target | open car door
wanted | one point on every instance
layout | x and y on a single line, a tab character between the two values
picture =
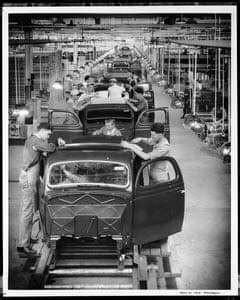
65	124
150	116
158	207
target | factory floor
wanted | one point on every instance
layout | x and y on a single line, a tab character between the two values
202	250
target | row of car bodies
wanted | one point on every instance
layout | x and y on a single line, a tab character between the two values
110	191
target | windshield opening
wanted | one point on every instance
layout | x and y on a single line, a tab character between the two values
75	173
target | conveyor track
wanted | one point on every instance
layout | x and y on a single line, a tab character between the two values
79	264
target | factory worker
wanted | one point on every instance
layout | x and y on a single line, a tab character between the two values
115	91
161	147
35	145
109	129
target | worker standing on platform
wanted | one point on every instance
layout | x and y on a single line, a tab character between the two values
161	147
35	145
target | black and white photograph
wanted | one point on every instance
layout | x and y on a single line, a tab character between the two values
119	142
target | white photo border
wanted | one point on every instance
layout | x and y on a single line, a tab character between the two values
198	9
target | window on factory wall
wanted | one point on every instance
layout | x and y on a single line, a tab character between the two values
63	118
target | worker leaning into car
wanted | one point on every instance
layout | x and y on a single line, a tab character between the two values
35	145
109	129
161	147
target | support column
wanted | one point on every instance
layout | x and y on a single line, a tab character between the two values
162	61
219	69
75	53
207	59
159	60
215	86
229	98
189	78
194	89
179	69
223	94
155	57
168	76
16	77
40	71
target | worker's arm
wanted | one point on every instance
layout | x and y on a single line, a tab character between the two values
133	107
141	139
164	150
98	131
44	146
136	149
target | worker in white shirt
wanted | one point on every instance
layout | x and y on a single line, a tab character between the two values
115	91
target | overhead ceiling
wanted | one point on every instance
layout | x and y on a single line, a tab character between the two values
94	27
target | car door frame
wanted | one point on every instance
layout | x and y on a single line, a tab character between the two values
142	129
149	222
76	129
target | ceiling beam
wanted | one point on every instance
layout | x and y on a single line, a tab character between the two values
204	43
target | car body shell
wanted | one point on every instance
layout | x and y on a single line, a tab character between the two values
93	116
119	69
136	214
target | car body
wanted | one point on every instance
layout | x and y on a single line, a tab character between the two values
119	69
148	93
71	125
116	197
136	67
124	51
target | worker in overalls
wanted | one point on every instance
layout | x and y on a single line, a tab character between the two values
35	145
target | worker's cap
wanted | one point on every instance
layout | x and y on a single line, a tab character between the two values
113	80
157	127
139	89
45	126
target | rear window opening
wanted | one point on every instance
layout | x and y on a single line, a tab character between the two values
120	115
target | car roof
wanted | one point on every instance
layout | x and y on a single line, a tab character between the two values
109	150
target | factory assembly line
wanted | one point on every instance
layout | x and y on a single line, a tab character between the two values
132	141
